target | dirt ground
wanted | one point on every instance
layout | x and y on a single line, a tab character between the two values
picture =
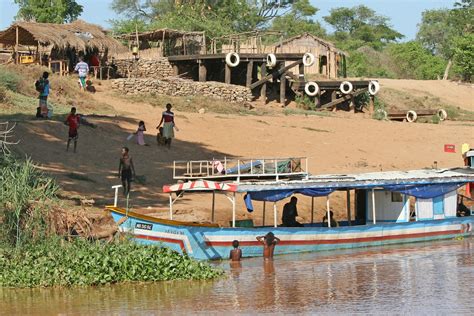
448	92
339	143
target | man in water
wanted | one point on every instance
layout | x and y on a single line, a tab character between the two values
73	121
236	253
126	170
269	242
289	214
83	69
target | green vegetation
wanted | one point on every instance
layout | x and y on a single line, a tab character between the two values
32	252
53	11
25	193
55	262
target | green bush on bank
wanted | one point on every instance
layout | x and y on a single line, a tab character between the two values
55	262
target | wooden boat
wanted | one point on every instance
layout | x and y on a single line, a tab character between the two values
381	206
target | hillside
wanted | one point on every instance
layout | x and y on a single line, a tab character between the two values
334	143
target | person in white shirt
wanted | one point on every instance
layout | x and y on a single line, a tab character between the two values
83	69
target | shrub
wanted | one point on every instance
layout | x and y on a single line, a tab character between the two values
8	80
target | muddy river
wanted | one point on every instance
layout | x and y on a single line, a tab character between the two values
428	278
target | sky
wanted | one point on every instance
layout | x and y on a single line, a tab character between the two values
404	14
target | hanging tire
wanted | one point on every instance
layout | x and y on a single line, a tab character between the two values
374	87
271	60
411	116
311	88
308	59
232	59
343	86
442	114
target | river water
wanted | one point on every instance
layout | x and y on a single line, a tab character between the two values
429	278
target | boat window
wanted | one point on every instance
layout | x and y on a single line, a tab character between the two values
397	197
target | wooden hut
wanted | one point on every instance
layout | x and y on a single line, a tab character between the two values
165	42
330	61
49	43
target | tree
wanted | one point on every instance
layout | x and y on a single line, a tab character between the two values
412	60
359	26
463	55
298	20
52	11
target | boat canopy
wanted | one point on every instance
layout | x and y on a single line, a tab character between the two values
423	184
423	191
200	185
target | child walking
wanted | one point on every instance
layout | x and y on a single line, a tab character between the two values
141	133
126	170
73	121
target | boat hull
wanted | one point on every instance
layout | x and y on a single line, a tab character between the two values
210	242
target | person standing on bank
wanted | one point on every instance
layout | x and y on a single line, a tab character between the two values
82	69
42	86
167	119
126	170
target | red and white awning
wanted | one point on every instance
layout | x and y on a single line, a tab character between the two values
200	185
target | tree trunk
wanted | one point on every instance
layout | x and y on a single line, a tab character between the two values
446	71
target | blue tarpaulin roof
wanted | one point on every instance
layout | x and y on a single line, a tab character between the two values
419	183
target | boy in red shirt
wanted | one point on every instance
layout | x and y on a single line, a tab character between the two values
73	121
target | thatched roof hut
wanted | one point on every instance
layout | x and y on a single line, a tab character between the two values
78	34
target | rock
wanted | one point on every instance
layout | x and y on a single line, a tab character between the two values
202	111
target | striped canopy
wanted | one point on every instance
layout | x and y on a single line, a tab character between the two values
200	185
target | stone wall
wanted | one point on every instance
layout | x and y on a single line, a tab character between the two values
175	86
157	68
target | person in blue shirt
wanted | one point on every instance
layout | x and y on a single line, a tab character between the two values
43	94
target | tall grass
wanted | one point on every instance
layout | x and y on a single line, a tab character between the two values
22	187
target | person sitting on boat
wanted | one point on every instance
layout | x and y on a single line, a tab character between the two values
289	214
236	253
269	242
334	223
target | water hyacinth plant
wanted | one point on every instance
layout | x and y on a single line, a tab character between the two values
82	262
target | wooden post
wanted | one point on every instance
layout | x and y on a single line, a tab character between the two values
213	205
228	74
328	211
275	215
17	56
263	222
249	73
202	71
263	91
317	99
348	205
163	44
283	89
312	209
301	70
373	206
352	105
175	69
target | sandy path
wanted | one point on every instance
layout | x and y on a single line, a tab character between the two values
339	144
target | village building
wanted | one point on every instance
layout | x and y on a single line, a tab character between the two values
58	46
330	61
